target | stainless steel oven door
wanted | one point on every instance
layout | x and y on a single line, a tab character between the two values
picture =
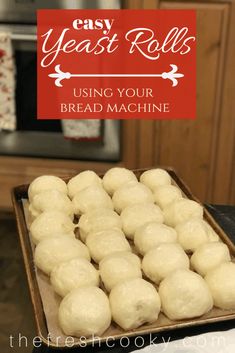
53	145
24	11
47	142
24	37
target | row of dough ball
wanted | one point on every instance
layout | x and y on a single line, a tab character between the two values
134	215
88	311
146	237
141	222
190	234
119	183
66	261
133	302
86	191
82	272
156	242
157	263
79	272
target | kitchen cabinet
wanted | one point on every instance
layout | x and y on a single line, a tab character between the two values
202	151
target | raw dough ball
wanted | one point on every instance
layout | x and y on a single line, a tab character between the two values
82	181
116	177
44	183
163	260
52	200
106	242
184	295
182	210
33	213
213	236
52	251
208	256
85	312
98	219
155	177
90	198
165	194
152	234
75	273
51	223
131	193
130	256
116	269
135	216
192	233
221	281
133	303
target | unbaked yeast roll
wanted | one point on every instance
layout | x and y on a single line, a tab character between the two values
97	220
155	177
131	193
51	223
33	213
105	242
208	256
165	194
85	312
116	177
51	200
134	302
194	232
52	251
184	295
82	181
135	216
221	281
152	234
130	256
118	267
182	210
74	273
166	258
44	183
90	198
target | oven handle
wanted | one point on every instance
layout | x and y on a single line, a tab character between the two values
24	37
20	32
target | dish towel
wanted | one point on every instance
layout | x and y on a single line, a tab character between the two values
90	128
7	84
81	129
212	342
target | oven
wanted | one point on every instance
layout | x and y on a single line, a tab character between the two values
45	138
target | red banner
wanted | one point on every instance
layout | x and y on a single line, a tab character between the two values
116	64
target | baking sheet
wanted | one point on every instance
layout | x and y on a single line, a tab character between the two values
50	300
